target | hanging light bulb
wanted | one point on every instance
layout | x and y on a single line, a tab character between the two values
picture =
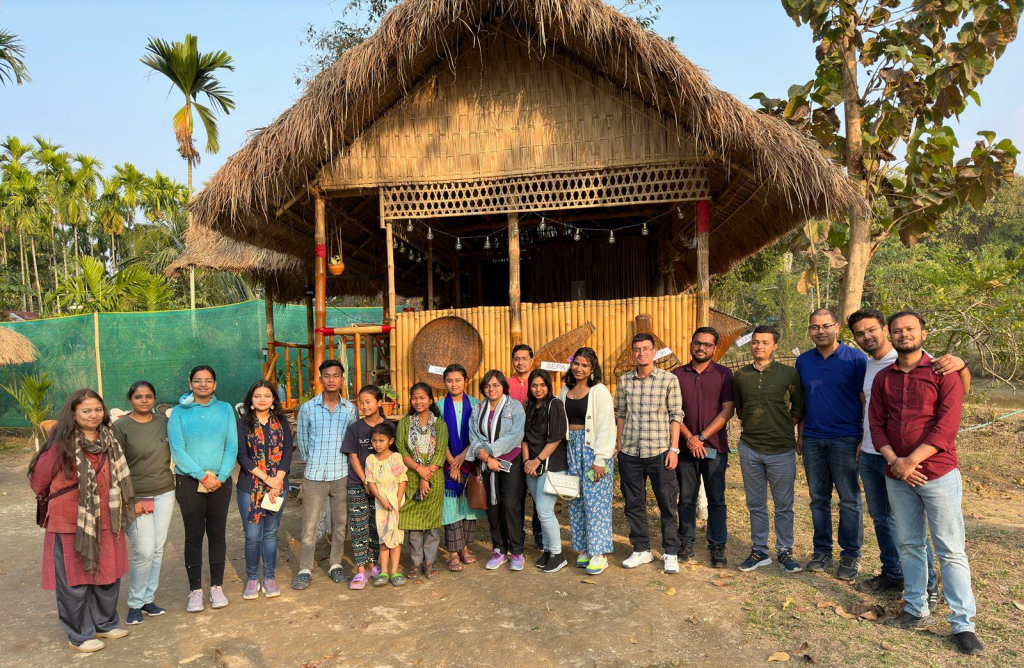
430	234
401	247
497	242
679	213
458	243
419	258
576	235
611	237
437	269
412	254
394	243
409	227
487	244
543	225
644	231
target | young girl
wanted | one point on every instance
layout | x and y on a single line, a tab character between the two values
264	458
386	480
365	542
423	443
544	450
458	518
143	436
84	473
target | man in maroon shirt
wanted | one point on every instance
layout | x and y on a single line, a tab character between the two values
914	417
707	407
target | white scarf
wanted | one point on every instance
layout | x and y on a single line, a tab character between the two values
492	425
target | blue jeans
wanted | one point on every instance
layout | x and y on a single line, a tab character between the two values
260	539
831	462
872	474
148	533
544	504
938	502
762	472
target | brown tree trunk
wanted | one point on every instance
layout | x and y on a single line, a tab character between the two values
25	281
35	267
859	252
191	270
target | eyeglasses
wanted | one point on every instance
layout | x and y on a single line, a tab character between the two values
820	328
701	344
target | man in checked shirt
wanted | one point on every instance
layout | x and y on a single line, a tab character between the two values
648	412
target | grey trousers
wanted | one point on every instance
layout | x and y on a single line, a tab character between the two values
85	609
778	472
423	545
315	494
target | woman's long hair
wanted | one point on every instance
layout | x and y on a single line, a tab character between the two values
65	431
538	414
249	415
595	368
430	393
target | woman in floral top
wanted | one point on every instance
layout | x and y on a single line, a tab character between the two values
422	442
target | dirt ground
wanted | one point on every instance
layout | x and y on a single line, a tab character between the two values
700	617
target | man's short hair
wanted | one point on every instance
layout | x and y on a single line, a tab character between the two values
643	336
327	364
706	330
865	314
766	329
522	346
822	311
901	314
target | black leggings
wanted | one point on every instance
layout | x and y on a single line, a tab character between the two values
506	516
203	514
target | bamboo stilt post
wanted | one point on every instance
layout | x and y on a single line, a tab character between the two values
514	307
703	261
96	338
357	365
310	334
430	275
319	287
268	303
389	307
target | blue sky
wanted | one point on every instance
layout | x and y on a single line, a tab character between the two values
91	93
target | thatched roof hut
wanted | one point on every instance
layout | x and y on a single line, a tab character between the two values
15	348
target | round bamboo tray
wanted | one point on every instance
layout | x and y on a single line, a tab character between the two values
448	340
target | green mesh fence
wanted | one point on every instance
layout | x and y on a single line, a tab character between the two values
161	348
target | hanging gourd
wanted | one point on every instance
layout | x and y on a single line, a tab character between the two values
337	264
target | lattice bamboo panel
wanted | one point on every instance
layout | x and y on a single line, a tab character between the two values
613	186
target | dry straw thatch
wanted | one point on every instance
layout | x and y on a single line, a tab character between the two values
15	348
774	177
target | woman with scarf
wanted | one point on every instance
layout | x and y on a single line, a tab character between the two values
264	458
422	441
458	518
83	473
496	440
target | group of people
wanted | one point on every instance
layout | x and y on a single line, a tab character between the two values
888	413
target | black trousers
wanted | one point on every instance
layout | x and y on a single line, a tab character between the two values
506	516
634	472
690	472
85	609
203	514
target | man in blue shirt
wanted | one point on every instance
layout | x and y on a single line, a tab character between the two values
319	431
832	374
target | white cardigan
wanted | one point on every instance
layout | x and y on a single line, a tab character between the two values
600	434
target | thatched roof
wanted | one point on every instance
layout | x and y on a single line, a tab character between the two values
766	178
15	348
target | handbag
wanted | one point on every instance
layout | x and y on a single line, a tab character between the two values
476	492
43	498
562	485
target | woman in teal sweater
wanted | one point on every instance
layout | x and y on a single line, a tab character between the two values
204	444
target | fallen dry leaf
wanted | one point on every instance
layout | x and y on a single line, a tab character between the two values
810	659
869	615
589	582
670	591
804	608
218	658
788	602
780	656
719	583
888	647
941	632
843	613
633	641
826	604
805	646
1018	605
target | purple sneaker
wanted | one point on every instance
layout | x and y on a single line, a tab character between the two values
518	561
217	598
252	590
497	559
270	589
374	572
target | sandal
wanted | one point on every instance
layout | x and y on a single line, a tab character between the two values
358	582
416	572
454	564
431	570
467	556
381	580
397	580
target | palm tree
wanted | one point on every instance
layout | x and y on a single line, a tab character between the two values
131	186
192	73
80	196
111	215
53	168
25	210
12	63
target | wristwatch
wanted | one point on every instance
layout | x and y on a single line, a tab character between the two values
675	450
702	438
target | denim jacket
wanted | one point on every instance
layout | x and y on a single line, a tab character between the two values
511	427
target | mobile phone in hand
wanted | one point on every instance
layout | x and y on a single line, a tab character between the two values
505	466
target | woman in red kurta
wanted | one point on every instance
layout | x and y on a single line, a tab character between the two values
83	471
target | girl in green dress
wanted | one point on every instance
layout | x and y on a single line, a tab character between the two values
423	442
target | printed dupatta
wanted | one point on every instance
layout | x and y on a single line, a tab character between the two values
458	441
267	454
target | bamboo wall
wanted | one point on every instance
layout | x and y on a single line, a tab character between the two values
674	320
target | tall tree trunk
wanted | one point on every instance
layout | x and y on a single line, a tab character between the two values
859	252
5	247
191	270
26	284
35	267
78	253
113	249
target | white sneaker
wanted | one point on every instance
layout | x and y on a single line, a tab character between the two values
638	559
671	563
90	645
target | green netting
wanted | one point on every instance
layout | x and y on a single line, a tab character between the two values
161	348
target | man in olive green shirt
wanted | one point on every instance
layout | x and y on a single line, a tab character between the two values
769	403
